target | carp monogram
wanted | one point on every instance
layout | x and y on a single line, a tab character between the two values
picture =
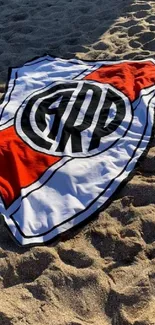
71	118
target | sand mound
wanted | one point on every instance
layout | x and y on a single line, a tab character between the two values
104	273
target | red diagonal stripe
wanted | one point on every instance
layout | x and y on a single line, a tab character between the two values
20	165
128	77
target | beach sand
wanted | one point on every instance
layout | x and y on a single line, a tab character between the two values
104	272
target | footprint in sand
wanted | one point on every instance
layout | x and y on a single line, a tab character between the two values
26	269
75	258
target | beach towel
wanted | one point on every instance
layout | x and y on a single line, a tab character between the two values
71	132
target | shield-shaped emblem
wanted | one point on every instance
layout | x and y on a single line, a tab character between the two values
70	132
